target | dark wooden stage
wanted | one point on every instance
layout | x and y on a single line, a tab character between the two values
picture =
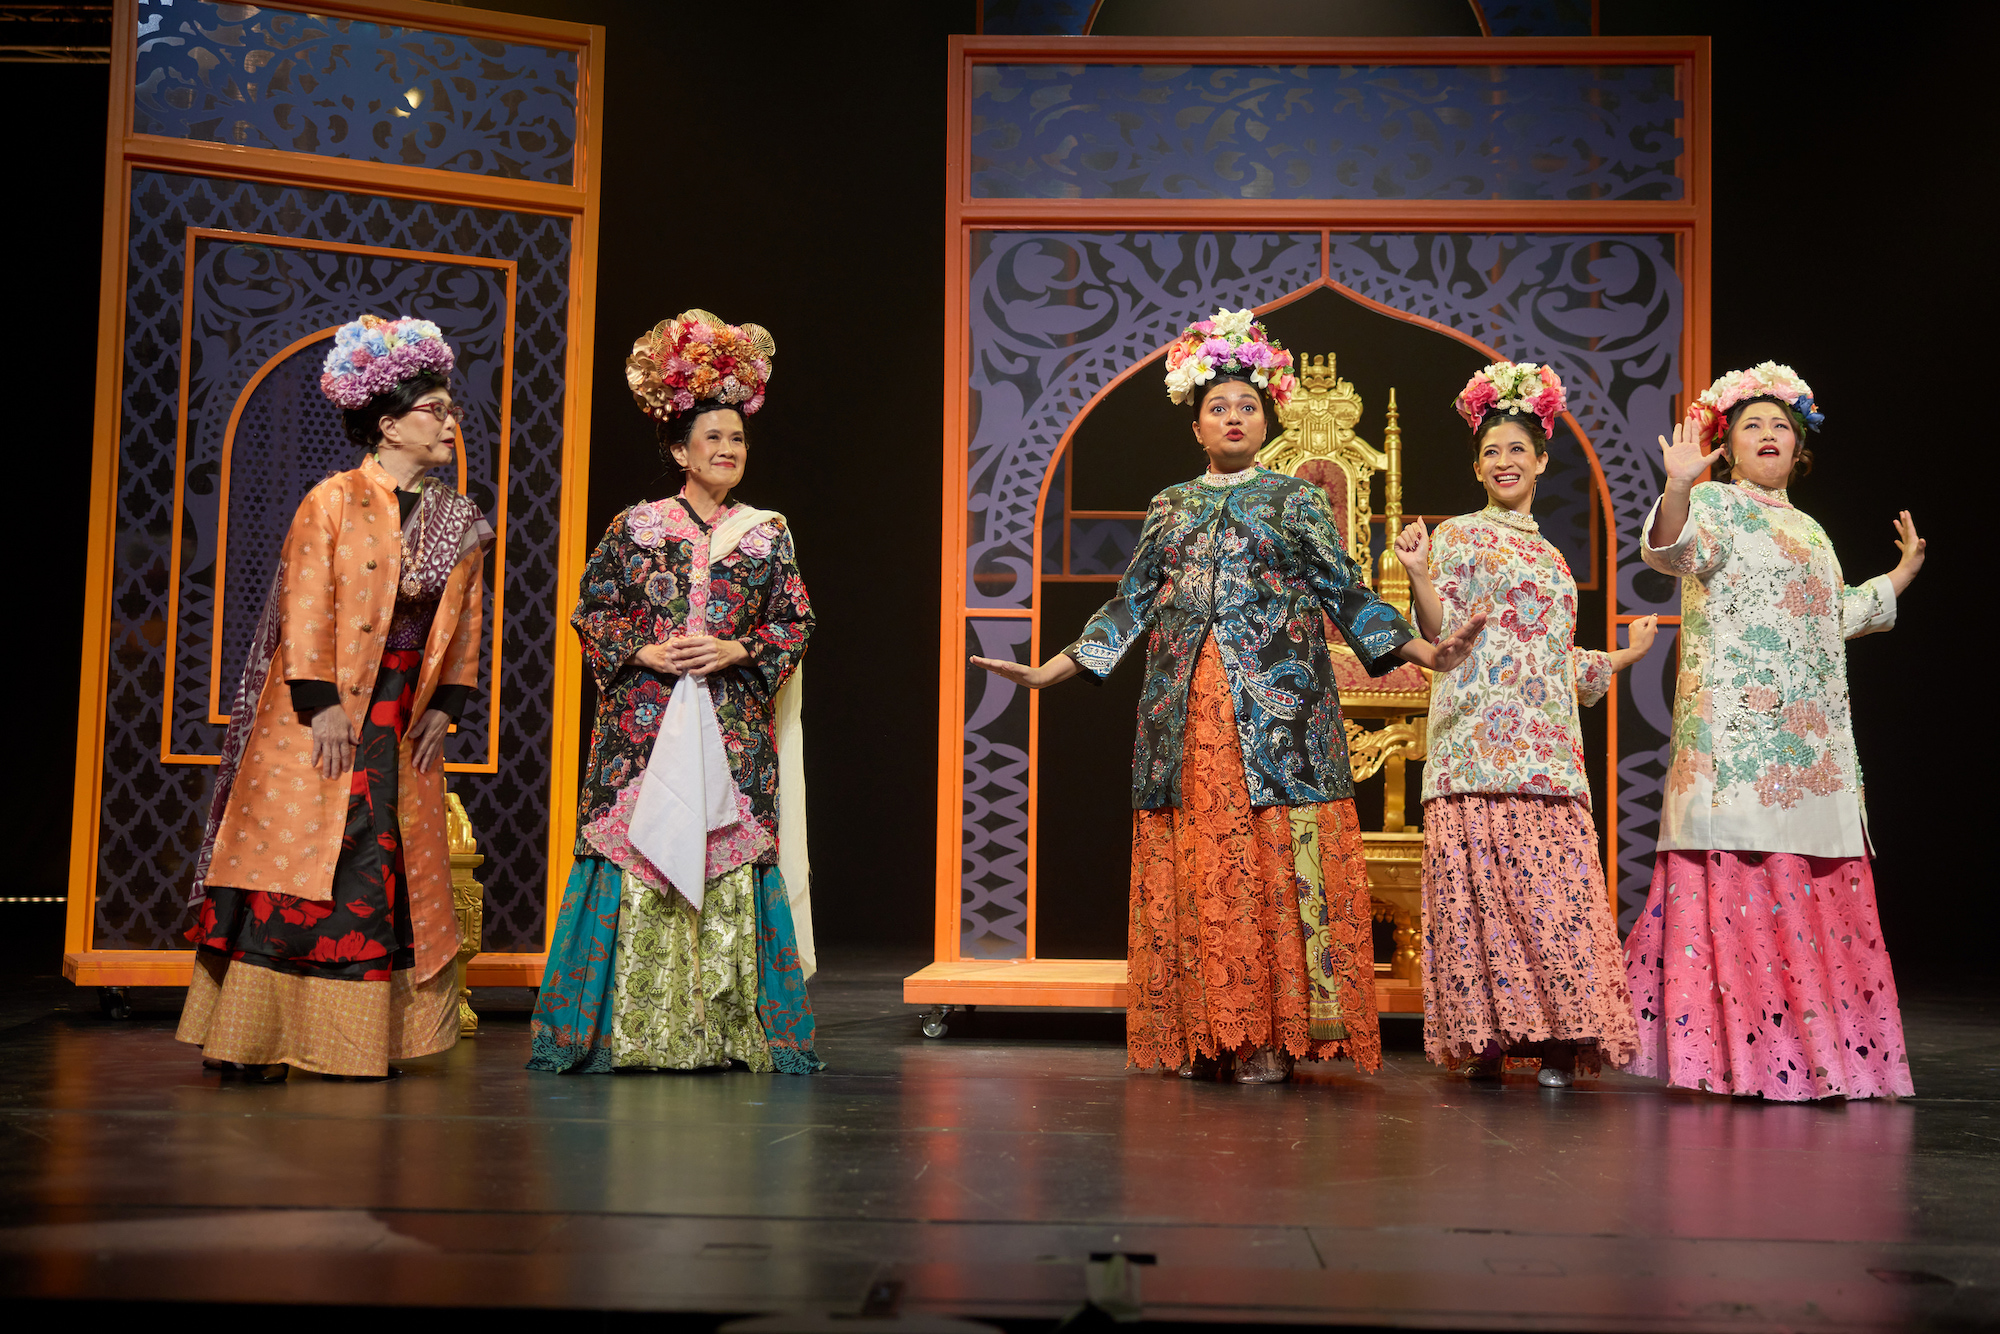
982	1172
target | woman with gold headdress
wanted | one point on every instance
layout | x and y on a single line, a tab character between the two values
324	933
1249	929
685	935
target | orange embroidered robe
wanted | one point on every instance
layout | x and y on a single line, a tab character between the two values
281	832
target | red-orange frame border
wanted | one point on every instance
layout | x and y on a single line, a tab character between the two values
195	235
1686	219
578	201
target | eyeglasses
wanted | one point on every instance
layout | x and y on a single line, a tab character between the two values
441	411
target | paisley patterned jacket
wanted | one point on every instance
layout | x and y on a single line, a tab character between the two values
637	590
1254	559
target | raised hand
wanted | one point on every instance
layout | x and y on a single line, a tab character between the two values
1912	548
1639	635
1684	459
1413	547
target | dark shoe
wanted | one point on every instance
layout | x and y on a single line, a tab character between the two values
394	1073
1197	1067
1267	1065
263	1074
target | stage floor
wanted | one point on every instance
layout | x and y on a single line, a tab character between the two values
982	1171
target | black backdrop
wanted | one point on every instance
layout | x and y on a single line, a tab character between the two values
1847	176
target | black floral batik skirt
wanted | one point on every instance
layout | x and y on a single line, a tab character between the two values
326	984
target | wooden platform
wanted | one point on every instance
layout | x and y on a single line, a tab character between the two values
1078	983
159	968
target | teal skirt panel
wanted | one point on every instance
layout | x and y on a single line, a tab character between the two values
571	1027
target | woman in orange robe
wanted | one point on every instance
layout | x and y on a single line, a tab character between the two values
324	929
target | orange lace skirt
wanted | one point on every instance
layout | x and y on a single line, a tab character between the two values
1250	925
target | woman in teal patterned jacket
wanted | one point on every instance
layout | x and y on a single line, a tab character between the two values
1250	938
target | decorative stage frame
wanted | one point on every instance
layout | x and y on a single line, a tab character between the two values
1539	199
271	173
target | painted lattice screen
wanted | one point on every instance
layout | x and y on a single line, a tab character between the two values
276	173
1539	201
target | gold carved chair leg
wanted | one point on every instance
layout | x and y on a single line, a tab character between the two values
468	901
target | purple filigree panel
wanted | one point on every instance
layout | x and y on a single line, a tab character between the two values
1325	132
151	815
993	903
250	301
1606	313
1056	316
335	87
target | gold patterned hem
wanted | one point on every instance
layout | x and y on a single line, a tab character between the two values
259	1016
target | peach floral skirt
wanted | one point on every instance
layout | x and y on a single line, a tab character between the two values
1250	925
1520	946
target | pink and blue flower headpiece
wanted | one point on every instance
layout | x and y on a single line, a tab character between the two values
1231	342
1513	386
1765	380
372	356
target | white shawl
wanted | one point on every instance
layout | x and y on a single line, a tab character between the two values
687	790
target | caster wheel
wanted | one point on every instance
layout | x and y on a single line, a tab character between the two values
112	1001
934	1025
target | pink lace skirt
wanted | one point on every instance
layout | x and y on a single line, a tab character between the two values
1520	946
1764	973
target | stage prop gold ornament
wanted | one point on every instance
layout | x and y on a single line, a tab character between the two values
468	901
1319	444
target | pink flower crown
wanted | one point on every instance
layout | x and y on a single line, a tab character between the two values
1229	343
1765	380
1512	386
372	356
696	358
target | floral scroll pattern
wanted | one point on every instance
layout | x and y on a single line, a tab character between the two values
250	300
334	87
1325	132
1606	312
151	813
1057	316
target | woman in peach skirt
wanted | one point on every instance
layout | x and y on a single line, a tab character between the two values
1249	932
1521	952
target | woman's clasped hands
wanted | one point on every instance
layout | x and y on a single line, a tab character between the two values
691	655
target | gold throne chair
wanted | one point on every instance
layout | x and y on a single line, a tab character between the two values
1319	444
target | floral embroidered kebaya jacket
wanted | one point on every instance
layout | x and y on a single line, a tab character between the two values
1254	559
1505	721
1764	755
637	591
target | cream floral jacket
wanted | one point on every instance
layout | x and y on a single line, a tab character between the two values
1505	721
1763	756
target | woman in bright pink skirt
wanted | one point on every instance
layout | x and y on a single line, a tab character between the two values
1758	965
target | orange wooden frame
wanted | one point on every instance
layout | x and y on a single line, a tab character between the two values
578	202
1686	219
195	235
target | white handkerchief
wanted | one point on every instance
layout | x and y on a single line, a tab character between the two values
687	790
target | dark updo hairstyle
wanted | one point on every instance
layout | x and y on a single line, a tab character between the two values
364	424
677	429
1526	420
1263	398
1802	458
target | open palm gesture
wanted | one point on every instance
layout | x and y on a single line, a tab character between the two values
1684	459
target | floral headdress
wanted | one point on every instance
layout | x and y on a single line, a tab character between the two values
372	356
1512	386
1767	380
696	358
1230	343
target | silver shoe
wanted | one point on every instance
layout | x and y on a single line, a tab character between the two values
1551	1078
1268	1066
